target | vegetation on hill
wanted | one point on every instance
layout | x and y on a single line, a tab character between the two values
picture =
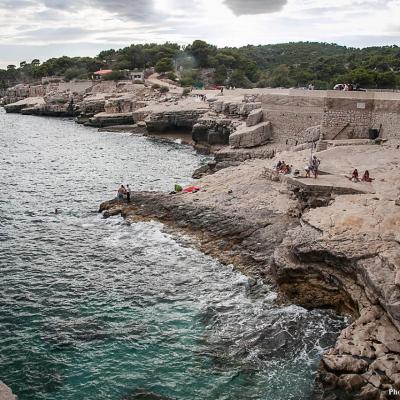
277	65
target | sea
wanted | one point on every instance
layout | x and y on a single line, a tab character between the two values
94	308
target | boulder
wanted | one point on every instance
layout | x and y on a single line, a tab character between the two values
350	382
104	119
255	117
345	363
253	136
6	393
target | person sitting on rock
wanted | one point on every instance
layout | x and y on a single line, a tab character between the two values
278	165
282	167
308	169
121	192
286	169
366	177
354	176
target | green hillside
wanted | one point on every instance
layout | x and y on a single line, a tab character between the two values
277	65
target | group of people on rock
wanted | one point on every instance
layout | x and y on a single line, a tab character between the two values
355	177
313	167
124	193
347	87
202	97
283	168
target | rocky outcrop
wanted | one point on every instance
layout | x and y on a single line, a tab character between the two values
214	129
226	236
253	136
255	117
325	243
27	103
55	104
315	271
161	121
89	106
6	393
238	107
17	93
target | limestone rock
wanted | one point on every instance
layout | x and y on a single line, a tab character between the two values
251	136
173	119
105	119
29	102
255	117
345	363
6	393
350	382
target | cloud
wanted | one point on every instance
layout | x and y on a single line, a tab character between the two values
15	4
54	34
252	7
50	28
134	10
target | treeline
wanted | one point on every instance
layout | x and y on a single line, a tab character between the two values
278	65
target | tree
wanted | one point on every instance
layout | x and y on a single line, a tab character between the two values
238	79
386	80
22	64
201	51
164	65
279	77
221	74
10	67
75	72
363	77
35	62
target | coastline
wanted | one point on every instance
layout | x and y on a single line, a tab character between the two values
282	241
323	244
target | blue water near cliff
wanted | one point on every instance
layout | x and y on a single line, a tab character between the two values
99	309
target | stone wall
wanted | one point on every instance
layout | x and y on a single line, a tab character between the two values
291	115
342	115
347	116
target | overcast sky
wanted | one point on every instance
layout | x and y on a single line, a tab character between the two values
51	28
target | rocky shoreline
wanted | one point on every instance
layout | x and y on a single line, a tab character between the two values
311	241
328	243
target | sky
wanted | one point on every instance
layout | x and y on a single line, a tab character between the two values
51	28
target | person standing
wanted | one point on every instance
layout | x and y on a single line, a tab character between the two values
128	194
315	162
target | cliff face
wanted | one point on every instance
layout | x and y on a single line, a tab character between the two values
325	243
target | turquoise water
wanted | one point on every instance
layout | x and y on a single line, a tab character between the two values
99	309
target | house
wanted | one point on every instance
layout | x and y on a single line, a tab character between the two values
137	75
102	72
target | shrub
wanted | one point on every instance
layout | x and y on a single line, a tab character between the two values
171	76
164	65
114	76
186	81
164	89
186	91
156	86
